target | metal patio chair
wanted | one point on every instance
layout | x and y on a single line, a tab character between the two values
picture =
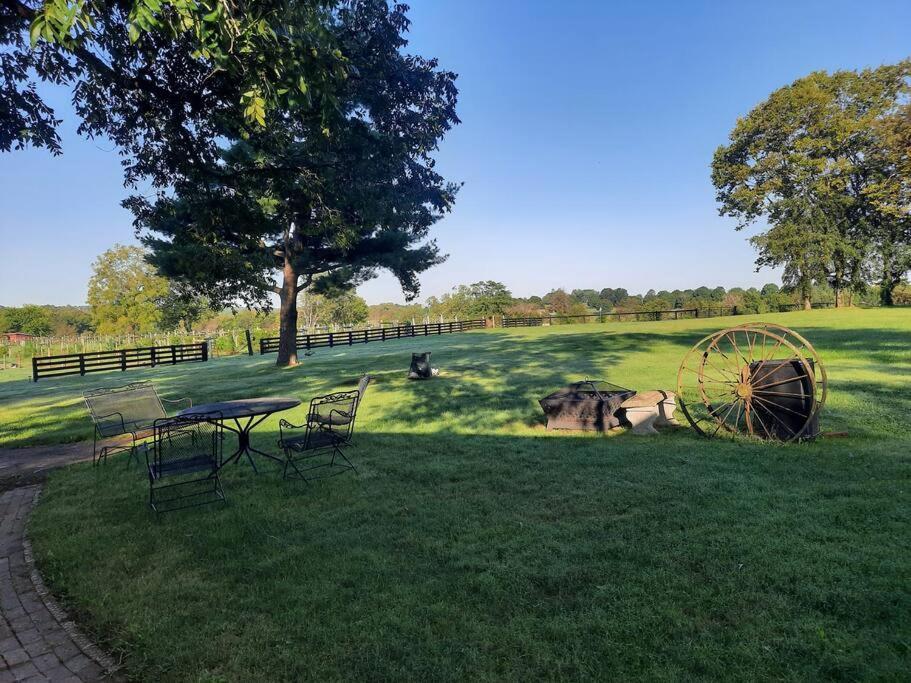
188	451
329	429
128	410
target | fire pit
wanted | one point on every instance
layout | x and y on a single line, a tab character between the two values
589	405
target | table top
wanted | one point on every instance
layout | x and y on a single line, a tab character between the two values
244	407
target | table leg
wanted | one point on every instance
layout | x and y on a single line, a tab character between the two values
243	441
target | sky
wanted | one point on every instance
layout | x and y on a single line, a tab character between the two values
587	132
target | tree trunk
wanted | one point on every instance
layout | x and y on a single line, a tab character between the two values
887	287
287	335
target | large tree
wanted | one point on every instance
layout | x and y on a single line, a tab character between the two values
317	202
806	161
125	293
892	196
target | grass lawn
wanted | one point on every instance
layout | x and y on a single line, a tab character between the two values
473	544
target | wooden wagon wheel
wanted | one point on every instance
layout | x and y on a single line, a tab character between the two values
757	380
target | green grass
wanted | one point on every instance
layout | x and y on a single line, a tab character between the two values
473	544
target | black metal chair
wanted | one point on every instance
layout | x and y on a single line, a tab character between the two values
188	451
128	410
329	429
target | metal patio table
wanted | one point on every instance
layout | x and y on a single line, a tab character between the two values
246	414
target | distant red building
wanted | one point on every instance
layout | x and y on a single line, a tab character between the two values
17	337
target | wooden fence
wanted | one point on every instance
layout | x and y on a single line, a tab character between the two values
672	314
331	339
118	359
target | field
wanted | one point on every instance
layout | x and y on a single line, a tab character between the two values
475	545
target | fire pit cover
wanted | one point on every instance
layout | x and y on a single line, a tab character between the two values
589	405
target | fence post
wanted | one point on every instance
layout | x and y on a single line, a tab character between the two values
173	354
82	364
205	352
123	360
34	369
153	356
249	343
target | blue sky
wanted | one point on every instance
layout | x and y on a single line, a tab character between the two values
588	129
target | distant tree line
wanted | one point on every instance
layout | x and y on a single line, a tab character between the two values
491	298
478	300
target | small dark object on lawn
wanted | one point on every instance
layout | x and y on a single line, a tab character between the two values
420	366
590	405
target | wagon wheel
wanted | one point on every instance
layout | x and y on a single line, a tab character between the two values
749	380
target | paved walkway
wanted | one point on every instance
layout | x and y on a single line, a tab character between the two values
37	640
23	466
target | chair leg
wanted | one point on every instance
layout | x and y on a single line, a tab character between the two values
219	489
350	464
290	461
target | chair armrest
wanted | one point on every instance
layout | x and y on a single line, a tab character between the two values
97	419
185	402
284	424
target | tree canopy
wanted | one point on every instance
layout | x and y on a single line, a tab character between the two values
124	292
126	295
814	162
173	71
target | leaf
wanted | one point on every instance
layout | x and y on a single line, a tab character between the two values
35	30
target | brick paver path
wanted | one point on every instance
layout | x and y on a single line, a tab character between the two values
37	640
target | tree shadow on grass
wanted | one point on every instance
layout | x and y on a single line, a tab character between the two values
490	380
494	556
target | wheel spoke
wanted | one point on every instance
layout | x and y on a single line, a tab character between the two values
777	419
737	348
723	420
780	393
779	382
781	407
768	434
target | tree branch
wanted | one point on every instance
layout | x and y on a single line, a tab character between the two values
308	280
20	9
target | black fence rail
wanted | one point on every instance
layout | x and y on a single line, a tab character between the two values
379	334
118	359
672	314
783	308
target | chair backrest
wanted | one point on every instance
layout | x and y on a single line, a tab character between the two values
362	387
334	413
114	408
190	439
